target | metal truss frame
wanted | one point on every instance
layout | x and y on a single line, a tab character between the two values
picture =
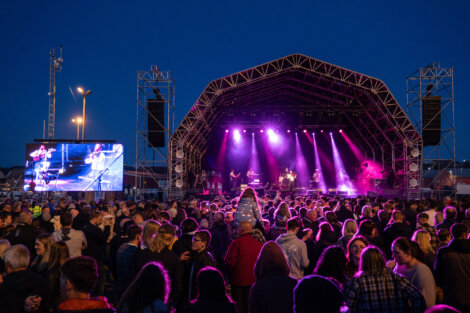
55	66
148	158
382	127
442	155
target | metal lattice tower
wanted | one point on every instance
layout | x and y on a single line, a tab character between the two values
55	65
150	160
434	80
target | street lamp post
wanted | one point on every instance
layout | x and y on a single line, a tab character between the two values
78	121
85	94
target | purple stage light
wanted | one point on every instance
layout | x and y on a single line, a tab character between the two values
226	130
331	133
340	130
343	181
288	130
261	131
321	131
273	137
237	136
305	131
244	130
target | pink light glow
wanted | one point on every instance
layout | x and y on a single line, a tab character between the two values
237	136
261	131
340	130
305	130
226	130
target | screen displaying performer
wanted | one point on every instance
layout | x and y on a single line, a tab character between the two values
74	167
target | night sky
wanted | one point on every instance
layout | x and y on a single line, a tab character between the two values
106	42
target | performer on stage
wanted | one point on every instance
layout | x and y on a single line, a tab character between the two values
41	165
316	178
97	160
250	175
203	179
234	179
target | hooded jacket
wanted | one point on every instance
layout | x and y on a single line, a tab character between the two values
452	268
296	252
273	290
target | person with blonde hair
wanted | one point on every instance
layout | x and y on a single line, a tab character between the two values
423	239
150	228
376	289
42	246
159	251
348	231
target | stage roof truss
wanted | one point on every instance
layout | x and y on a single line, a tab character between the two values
298	77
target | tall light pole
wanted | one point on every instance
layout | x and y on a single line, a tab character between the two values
85	94
78	121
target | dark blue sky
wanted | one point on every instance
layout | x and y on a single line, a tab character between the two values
106	42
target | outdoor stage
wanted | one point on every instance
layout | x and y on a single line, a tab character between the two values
294	116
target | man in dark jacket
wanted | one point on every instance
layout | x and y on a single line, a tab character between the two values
199	259
273	290
450	213
222	234
21	284
398	228
452	268
96	240
24	233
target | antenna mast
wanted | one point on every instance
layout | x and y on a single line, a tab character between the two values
55	65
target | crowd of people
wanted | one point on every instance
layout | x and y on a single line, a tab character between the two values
249	254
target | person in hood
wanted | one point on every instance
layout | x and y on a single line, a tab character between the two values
247	208
240	259
78	275
294	248
21	284
212	293
272	292
452	268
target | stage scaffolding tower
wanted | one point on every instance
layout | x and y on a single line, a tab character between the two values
55	66
151	160
434	81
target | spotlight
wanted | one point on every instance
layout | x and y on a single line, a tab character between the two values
321	131
331	133
288	130
270	132
305	131
340	130
244	130
236	135
226	130
313	134
277	131
261	131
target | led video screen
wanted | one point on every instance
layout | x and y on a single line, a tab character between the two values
74	167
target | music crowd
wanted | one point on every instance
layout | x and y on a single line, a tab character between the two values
248	254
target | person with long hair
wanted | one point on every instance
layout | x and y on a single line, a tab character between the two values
423	239
159	251
281	215
42	246
149	292
348	231
354	248
332	264
405	252
248	208
376	289
212	293
59	253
